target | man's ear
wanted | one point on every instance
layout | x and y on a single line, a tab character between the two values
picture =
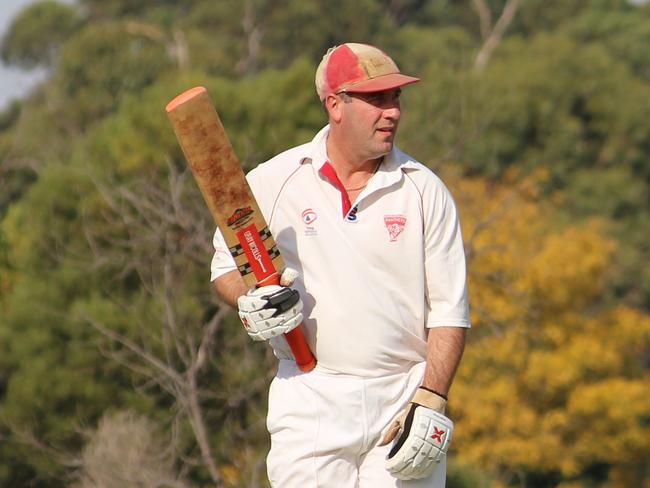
334	106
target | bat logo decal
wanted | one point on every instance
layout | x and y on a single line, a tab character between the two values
239	217
252	245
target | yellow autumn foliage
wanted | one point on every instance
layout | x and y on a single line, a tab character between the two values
555	379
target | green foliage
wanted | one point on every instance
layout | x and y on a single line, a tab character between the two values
104	62
539	15
271	112
623	33
440	107
101	10
540	104
9	116
318	25
247	37
466	476
37	34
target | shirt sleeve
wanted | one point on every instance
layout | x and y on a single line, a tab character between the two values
445	266
222	261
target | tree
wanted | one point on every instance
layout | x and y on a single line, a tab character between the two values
126	250
549	369
36	35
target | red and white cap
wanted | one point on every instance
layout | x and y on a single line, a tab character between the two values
358	68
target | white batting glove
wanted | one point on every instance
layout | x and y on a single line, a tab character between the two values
272	310
425	436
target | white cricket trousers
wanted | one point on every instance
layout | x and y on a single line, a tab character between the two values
325	428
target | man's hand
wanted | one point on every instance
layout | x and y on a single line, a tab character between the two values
271	310
424	440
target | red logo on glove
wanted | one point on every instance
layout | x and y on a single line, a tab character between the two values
437	434
245	322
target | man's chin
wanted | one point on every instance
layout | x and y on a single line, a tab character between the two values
384	148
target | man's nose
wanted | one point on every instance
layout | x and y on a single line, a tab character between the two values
393	113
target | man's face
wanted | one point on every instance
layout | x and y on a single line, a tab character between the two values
370	121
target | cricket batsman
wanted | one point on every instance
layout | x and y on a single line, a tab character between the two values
376	272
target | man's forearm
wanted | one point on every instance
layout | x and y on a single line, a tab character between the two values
445	347
230	287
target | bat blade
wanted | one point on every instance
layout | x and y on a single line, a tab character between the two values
222	182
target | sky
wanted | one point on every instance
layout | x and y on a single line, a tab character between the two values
14	83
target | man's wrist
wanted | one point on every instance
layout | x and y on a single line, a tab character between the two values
430	390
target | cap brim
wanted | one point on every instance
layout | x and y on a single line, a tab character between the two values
381	83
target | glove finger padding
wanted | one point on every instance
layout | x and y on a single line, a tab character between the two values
269	311
270	328
423	396
422	445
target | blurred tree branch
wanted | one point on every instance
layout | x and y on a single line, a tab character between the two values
159	226
176	46
492	35
485	17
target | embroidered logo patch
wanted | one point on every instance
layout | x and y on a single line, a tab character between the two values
309	216
395	225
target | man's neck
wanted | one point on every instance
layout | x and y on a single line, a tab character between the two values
348	165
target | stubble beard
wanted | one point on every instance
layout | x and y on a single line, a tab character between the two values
383	147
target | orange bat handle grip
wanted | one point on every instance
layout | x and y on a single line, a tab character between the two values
298	344
296	339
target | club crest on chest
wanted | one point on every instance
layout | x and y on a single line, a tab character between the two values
395	225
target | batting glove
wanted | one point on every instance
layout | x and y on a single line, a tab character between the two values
424	440
271	310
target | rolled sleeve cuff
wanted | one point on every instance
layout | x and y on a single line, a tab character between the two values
222	261
455	317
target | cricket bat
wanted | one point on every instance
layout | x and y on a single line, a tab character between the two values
222	182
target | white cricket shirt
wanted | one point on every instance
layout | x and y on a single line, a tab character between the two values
374	278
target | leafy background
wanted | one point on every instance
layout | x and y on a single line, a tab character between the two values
120	367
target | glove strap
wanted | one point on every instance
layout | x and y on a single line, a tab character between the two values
430	400
434	391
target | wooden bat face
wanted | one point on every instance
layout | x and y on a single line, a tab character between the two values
223	184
